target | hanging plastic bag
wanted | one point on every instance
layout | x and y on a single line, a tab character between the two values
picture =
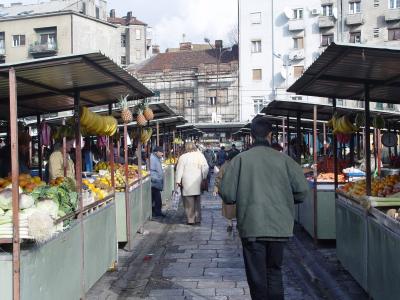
45	134
176	198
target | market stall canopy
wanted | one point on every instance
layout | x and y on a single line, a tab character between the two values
343	70
189	129
279	108
220	127
48	85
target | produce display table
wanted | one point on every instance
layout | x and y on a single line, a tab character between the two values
53	270
325	197
383	253
140	206
351	238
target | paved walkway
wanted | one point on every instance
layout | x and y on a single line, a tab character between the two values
176	261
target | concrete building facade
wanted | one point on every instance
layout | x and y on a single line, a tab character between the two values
280	39
64	27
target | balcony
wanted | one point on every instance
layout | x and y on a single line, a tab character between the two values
392	15
43	50
296	25
296	54
326	2
354	19
326	22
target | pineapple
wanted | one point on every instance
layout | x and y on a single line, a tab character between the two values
126	114
141	120
148	112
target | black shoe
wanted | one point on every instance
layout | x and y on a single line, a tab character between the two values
229	228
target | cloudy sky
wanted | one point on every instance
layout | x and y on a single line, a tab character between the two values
171	19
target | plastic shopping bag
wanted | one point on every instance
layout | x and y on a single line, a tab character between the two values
216	170
176	198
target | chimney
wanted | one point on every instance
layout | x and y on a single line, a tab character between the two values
112	14
185	46
218	44
155	49
128	17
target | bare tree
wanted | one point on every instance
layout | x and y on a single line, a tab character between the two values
233	35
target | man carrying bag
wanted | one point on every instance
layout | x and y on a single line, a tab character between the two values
265	184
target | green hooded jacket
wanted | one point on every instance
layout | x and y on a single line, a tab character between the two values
265	184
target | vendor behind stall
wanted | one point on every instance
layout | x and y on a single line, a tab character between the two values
23	154
56	161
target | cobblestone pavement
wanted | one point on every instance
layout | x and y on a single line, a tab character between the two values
176	261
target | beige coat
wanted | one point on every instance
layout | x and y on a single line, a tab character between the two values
228	210
56	166
191	169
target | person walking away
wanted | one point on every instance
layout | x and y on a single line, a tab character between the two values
157	181
211	160
234	150
192	168
221	156
265	184
228	210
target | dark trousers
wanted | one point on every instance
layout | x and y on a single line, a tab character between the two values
156	202
263	262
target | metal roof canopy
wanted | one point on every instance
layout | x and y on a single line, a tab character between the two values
344	70
48	85
324	112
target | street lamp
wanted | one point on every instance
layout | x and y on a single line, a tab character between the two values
218	57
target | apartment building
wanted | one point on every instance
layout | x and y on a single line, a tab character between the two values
201	85
62	27
280	39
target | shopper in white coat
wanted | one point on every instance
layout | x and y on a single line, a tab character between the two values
192	168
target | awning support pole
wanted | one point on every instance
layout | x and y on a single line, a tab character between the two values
367	141
325	144
78	175
15	181
64	151
299	139
127	202
40	148
335	159
315	163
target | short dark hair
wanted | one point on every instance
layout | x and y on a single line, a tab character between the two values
222	148
260	128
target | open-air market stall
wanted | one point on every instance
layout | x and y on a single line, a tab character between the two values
367	239
71	260
317	213
133	200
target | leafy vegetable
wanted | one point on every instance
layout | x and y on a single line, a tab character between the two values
1	212
6	199
5	220
26	201
48	206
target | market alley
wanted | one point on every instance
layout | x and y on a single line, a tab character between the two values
174	261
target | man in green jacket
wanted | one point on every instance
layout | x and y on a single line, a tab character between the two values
265	184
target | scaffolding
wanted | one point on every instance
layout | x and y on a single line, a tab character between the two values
207	93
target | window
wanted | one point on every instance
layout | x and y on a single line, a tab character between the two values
212	101
298	71
355	37
376	3
18	40
355	8
298	13
394	34
298	43
97	12
138	34
84	8
379	106
394	4
2	44
376	32
123	60
190	103
256	46
258	103
327	10
326	39
390	106
257	74
48	39
123	40
138	54
255	18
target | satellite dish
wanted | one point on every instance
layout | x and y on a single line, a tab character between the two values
283	72
334	11
288	12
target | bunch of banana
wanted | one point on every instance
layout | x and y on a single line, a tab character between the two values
94	124
343	125
146	135
177	141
